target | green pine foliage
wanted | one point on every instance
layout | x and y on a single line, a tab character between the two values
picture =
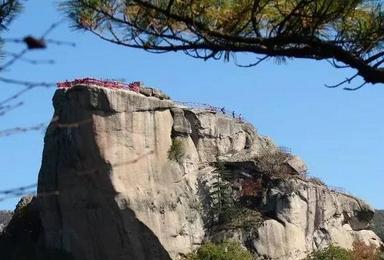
224	211
220	195
8	10
346	31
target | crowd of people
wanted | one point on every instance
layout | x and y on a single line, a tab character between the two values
133	86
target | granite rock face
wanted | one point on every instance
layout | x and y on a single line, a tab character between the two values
107	189
307	217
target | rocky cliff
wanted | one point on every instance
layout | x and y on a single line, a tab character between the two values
130	175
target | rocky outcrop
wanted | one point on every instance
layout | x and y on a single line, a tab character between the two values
378	223
107	189
5	217
306	217
19	238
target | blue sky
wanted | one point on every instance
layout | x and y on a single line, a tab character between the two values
339	134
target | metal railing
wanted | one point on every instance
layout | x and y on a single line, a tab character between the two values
133	86
210	108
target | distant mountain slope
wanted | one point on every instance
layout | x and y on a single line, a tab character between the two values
5	216
378	223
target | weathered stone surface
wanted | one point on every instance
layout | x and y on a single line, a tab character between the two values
297	165
308	217
107	189
112	172
5	217
181	125
153	92
146	91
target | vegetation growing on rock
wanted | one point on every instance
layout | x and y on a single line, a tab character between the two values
220	196
227	210
176	151
227	250
316	180
243	218
360	251
331	252
272	162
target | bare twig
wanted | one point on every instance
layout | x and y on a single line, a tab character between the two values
347	80
55	122
259	60
31	61
14	59
18	189
7	108
31	43
19	130
27	83
17	192
56	42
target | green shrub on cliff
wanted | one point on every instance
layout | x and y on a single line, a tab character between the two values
360	251
227	250
331	253
243	218
176	151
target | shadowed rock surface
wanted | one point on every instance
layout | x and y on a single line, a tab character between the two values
107	189
20	239
5	217
378	223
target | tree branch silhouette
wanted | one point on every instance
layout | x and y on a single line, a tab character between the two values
9	102
17	192
31	43
346	32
